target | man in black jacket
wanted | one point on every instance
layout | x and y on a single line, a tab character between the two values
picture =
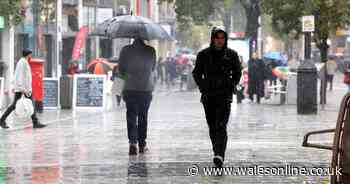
217	72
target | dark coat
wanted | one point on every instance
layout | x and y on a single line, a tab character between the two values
256	77
217	74
171	68
136	64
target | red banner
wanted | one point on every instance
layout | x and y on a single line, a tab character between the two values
149	8
138	7
79	42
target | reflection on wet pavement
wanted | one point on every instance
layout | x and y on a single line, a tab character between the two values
92	147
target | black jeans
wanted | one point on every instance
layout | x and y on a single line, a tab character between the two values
119	99
137	105
251	97
12	107
330	81
217	113
240	94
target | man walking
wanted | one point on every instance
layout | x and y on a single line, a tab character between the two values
137	61
256	78
217	72
23	86
331	70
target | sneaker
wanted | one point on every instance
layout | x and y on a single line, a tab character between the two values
218	161
132	149
3	125
38	125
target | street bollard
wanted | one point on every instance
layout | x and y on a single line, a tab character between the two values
307	88
66	92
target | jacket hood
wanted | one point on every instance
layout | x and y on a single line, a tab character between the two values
214	32
138	42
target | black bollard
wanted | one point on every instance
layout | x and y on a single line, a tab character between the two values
307	88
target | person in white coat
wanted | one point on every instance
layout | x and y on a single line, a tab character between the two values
22	86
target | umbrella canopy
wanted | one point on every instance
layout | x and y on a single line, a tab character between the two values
129	26
277	56
184	51
190	56
280	72
100	66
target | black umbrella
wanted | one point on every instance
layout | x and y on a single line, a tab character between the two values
129	26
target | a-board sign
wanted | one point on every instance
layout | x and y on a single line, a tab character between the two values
51	93
89	91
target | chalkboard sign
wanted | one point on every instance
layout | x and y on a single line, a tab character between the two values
51	93
89	91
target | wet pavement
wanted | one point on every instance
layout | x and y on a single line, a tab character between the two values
91	147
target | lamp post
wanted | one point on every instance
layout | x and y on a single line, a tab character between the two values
307	74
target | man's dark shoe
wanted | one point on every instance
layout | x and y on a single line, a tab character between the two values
38	125
132	149
218	161
143	149
3	124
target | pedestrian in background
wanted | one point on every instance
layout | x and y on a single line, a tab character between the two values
217	72
136	64
347	78
240	86
256	78
22	86
74	68
183	71
331	69
170	66
160	70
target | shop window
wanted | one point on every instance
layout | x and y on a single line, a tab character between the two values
89	17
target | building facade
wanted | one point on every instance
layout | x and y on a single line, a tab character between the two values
50	27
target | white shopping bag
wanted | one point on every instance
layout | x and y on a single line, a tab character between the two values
118	86
24	108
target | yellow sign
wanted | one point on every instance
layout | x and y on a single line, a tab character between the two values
340	32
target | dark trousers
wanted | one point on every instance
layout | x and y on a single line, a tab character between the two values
240	95
119	99
330	81
12	107
217	115
251	97
160	76
137	105
183	81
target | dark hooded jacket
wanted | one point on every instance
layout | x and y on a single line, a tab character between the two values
136	64
217	72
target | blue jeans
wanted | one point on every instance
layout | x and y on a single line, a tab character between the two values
348	85
137	105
